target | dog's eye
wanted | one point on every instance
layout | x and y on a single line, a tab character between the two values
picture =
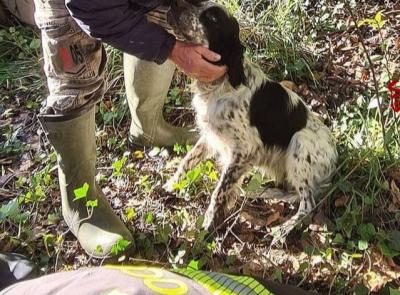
213	18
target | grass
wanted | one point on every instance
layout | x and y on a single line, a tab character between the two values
351	244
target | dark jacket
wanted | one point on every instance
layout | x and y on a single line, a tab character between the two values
123	25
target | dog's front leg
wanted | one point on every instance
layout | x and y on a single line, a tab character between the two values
192	158
230	177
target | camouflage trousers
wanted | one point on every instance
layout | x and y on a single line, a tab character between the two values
74	63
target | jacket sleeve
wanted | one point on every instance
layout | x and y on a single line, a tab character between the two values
123	25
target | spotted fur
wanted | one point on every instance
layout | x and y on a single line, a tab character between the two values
256	123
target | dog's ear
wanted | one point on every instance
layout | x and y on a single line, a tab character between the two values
234	62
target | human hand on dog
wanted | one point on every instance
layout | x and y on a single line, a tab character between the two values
195	61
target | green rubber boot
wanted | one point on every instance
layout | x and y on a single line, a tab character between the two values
73	138
147	86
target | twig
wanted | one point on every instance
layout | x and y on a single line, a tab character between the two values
376	86
235	221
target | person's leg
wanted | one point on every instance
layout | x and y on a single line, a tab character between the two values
74	65
4	15
147	85
22	9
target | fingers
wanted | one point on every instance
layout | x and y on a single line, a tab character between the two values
196	61
209	72
208	54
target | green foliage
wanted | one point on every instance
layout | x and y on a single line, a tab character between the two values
36	186
114	113
180	149
275	33
376	23
118	166
175	96
188	184
19	59
149	217
10	144
12	212
130	213
194	264
81	192
120	246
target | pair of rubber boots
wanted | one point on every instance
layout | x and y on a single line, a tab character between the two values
73	137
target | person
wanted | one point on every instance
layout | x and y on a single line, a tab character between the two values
17	274
72	33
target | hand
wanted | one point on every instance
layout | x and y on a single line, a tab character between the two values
195	61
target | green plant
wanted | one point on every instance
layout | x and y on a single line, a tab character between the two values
81	193
19	60
274	32
120	246
10	144
37	185
181	149
12	212
118	166
188	184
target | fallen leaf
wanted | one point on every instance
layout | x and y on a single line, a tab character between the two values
392	208
342	201
382	271
272	218
395	192
138	155
246	237
279	207
25	165
320	220
395	175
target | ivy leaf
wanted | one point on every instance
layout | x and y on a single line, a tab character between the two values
213	176
9	210
149	218
120	246
138	154
194	264
362	245
366	231
394	240
92	204
81	192
130	213
35	44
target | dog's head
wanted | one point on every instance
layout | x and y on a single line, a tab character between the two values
209	24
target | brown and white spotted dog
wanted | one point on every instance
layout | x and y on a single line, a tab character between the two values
248	121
